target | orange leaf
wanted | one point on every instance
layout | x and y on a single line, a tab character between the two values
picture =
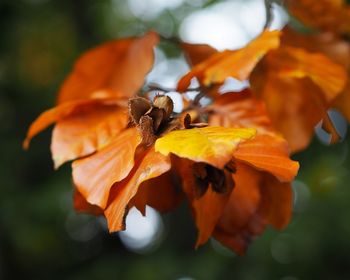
335	48
257	200
298	63
86	131
267	150
239	110
237	64
268	153
161	193
55	114
95	175
196	53
81	205
308	81
234	229
213	145
330	15
206	209
117	68
152	165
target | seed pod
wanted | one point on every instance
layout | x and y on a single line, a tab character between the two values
164	102
138	106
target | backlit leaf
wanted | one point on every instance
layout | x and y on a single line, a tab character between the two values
328	44
298	87
335	48
115	69
297	63
237	64
196	53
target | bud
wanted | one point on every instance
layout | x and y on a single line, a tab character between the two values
164	102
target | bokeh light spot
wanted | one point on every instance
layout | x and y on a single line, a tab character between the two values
150	9
301	196
142	233
230	24
281	248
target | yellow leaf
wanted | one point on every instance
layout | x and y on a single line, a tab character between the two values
213	145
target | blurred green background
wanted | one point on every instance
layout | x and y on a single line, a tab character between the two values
41	237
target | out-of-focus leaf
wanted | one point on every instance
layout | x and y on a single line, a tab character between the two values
196	53
342	102
237	64
298	87
116	69
329	15
239	110
297	63
335	48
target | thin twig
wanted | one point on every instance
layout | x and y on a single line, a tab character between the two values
170	39
198	97
269	14
155	86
